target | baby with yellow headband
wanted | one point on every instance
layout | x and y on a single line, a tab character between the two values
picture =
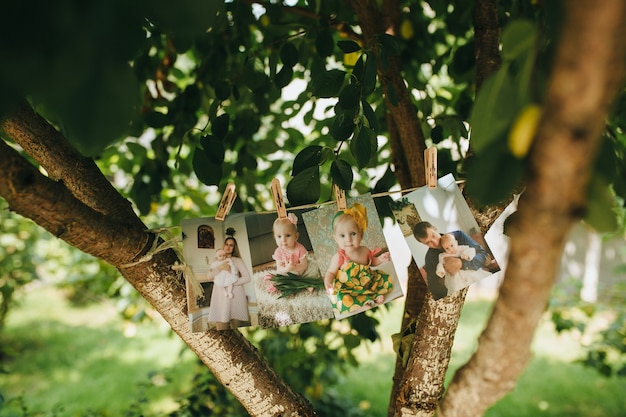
350	281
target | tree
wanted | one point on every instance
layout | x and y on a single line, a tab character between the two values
204	84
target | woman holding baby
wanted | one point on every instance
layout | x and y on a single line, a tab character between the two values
230	312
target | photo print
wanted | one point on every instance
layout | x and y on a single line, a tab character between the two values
286	275
353	256
444	237
218	254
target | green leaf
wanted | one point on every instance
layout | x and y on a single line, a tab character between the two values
370	115
493	175
494	111
436	134
255	80
308	157
363	146
207	171
602	212
326	84
289	54
464	62
284	76
348	46
349	96
369	74
219	126
518	37
385	182
324	43
214	148
341	173
157	119
305	187
389	47
222	90
343	125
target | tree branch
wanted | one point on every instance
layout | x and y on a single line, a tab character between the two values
486	39
63	162
50	204
588	72
423	385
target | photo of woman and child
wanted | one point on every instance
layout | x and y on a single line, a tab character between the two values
220	263
228	309
356	278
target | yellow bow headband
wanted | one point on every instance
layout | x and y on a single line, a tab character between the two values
358	213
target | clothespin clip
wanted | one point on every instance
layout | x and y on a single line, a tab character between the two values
430	167
277	194
227	202
340	196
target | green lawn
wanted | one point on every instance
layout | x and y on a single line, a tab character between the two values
551	386
67	362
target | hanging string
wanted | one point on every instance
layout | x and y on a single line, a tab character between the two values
169	241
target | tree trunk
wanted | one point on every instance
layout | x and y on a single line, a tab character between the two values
587	74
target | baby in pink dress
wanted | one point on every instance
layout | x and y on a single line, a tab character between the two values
290	255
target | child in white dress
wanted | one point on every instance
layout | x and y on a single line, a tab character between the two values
225	278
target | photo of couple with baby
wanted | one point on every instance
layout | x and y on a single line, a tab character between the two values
444	238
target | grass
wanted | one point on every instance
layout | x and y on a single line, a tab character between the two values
551	385
65	361
74	359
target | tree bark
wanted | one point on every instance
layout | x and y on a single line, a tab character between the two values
423	385
231	358
588	72
486	39
63	162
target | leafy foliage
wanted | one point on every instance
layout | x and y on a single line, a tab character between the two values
17	262
600	326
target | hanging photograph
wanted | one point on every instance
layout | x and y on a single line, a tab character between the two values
288	284
444	238
218	254
353	256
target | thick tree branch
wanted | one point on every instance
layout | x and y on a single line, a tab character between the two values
588	72
53	207
63	162
422	386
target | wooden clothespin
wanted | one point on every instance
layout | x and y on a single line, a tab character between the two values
340	196
228	198
277	194
430	166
